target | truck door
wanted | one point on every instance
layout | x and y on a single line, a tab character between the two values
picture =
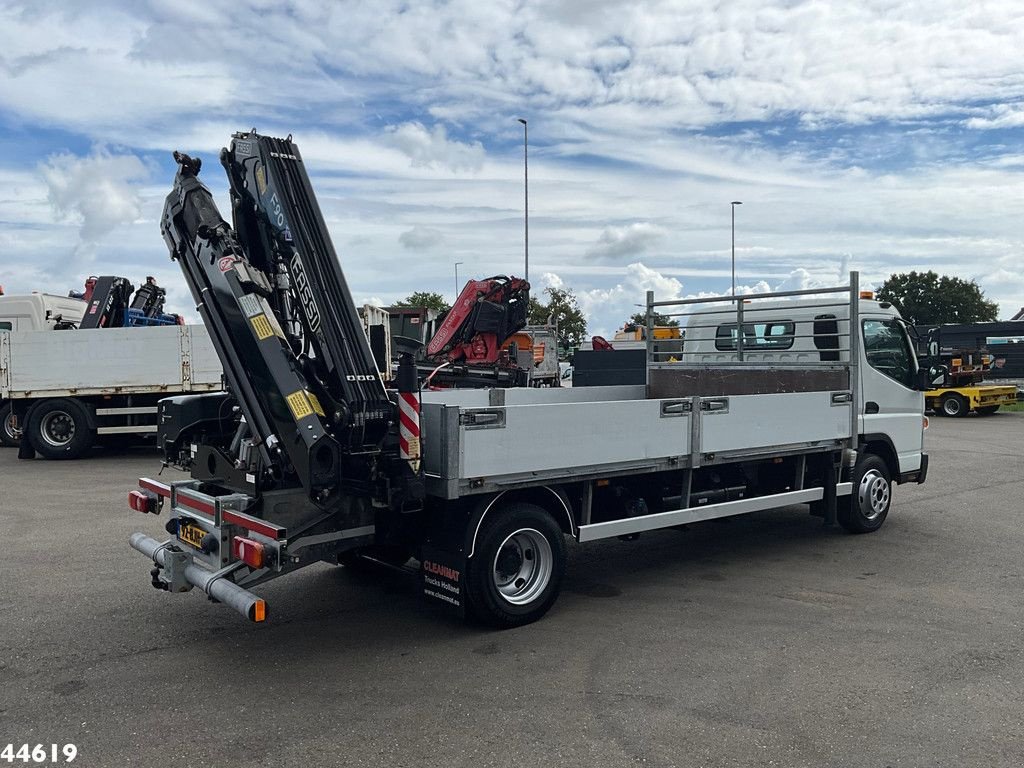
890	405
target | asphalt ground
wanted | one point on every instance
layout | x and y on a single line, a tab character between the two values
763	640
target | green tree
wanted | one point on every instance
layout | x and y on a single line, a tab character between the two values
926	298
640	318
564	309
428	299
538	313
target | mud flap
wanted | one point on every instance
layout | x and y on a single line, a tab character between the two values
443	578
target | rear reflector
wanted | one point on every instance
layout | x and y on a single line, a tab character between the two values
248	551
143	501
259	611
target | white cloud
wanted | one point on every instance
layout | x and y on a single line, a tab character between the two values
630	240
100	190
405	114
433	148
999	116
420	238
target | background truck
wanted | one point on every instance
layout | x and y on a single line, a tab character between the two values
965	389
320	461
964	350
106	302
69	389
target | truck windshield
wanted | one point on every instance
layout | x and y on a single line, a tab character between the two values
887	350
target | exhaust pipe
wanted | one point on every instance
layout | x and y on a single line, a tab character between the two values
219	588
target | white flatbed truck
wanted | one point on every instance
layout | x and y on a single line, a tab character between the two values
68	389
481	487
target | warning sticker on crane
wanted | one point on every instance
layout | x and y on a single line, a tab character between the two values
315	402
299	405
262	326
304	403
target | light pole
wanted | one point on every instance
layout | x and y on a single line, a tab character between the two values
457	278
526	203
733	205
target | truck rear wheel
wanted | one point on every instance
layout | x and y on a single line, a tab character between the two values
870	499
987	410
515	575
9	436
59	429
954	405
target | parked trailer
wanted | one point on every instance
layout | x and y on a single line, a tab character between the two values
983	399
70	388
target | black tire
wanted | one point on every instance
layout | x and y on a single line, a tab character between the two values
516	571
8	436
59	429
870	499
987	410
954	405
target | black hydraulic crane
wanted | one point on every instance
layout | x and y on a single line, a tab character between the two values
311	415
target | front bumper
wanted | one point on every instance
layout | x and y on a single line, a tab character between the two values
917	475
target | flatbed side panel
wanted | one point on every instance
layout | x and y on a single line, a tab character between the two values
204	362
761	421
102	360
538	438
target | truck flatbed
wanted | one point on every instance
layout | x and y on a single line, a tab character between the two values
480	441
108	361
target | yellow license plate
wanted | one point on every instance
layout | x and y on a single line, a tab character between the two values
191	534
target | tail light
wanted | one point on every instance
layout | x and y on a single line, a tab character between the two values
248	551
926	422
143	501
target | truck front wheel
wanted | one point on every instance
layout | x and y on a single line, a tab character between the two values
59	429
515	574
954	405
870	498
9	436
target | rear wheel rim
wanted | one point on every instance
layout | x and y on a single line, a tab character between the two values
57	429
873	494
9	428
522	566
952	406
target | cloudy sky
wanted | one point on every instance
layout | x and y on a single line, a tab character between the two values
877	135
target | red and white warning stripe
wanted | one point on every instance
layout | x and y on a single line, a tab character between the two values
409	429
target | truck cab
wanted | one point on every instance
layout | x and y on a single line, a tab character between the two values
890	401
34	312
38	311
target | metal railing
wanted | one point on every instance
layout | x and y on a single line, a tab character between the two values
736	324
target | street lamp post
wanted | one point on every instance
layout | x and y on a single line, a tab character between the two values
457	278
733	205
526	203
